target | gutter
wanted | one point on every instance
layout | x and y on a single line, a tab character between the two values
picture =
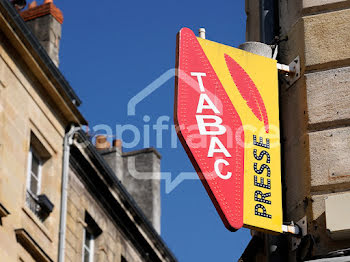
68	141
269	21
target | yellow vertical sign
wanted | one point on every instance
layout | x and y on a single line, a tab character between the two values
258	107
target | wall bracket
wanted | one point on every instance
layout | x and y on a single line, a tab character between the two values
291	71
291	229
296	240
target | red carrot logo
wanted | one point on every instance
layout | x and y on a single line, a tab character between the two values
248	90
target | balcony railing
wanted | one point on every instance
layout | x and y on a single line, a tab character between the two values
32	203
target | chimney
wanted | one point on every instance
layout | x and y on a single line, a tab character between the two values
46	23
139	172
117	143
141	177
102	143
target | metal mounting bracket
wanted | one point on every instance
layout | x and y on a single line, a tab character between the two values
296	240
291	229
292	71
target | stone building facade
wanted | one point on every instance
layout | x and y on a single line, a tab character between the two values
37	107
315	126
98	203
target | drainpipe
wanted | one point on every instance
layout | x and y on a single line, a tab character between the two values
68	140
268	21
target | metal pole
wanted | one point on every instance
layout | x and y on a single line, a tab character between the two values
201	32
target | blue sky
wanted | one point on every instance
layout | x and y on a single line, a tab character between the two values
110	51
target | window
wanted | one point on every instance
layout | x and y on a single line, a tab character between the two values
34	181
38	164
35	172
88	246
91	232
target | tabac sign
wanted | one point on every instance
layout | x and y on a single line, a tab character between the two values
227	118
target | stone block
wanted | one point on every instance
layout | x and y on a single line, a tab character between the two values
328	97
72	210
329	158
74	198
313	3
72	239
318	206
71	253
72	224
327	40
312	6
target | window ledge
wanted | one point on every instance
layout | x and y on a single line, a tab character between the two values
3	211
26	240
37	222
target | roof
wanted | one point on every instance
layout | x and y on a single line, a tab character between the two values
42	58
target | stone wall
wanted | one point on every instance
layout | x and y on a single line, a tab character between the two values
26	112
318	136
315	116
110	245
